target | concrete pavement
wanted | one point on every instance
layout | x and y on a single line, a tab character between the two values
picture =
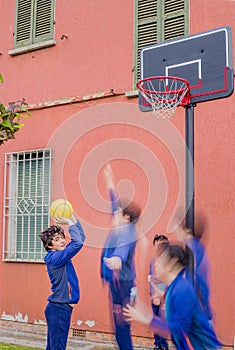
39	341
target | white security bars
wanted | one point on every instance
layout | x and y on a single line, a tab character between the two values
27	192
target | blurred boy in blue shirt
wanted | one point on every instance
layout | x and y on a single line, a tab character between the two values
185	322
117	261
200	279
156	285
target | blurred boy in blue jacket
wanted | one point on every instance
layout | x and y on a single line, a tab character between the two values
185	322
200	279
156	285
117	261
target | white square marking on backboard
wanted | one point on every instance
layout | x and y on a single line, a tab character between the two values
185	64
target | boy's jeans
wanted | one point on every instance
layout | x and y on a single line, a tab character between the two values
58	318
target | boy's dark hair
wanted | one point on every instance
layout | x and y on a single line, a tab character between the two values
176	251
47	235
133	211
159	238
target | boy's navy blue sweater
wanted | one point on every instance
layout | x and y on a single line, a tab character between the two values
185	319
65	286
120	242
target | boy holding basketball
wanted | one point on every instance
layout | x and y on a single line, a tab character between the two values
117	261
63	277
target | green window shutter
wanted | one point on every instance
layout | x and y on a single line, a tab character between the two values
146	28
34	22
23	24
43	20
157	21
174	19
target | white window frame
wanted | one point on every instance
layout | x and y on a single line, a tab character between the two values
27	196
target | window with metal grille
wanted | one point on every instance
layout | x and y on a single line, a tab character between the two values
34	24
157	21
27	191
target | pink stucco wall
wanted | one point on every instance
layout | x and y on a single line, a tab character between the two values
97	56
147	155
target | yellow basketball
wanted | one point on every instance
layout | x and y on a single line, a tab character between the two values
61	207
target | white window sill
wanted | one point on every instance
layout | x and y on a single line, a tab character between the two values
130	94
32	47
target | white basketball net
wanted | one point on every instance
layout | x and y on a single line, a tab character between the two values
164	94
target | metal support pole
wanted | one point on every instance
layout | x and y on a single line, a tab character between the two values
189	137
189	191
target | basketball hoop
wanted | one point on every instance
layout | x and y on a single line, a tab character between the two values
164	94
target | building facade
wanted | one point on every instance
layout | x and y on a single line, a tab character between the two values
76	64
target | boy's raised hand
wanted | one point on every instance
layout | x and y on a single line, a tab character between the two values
65	221
108	174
